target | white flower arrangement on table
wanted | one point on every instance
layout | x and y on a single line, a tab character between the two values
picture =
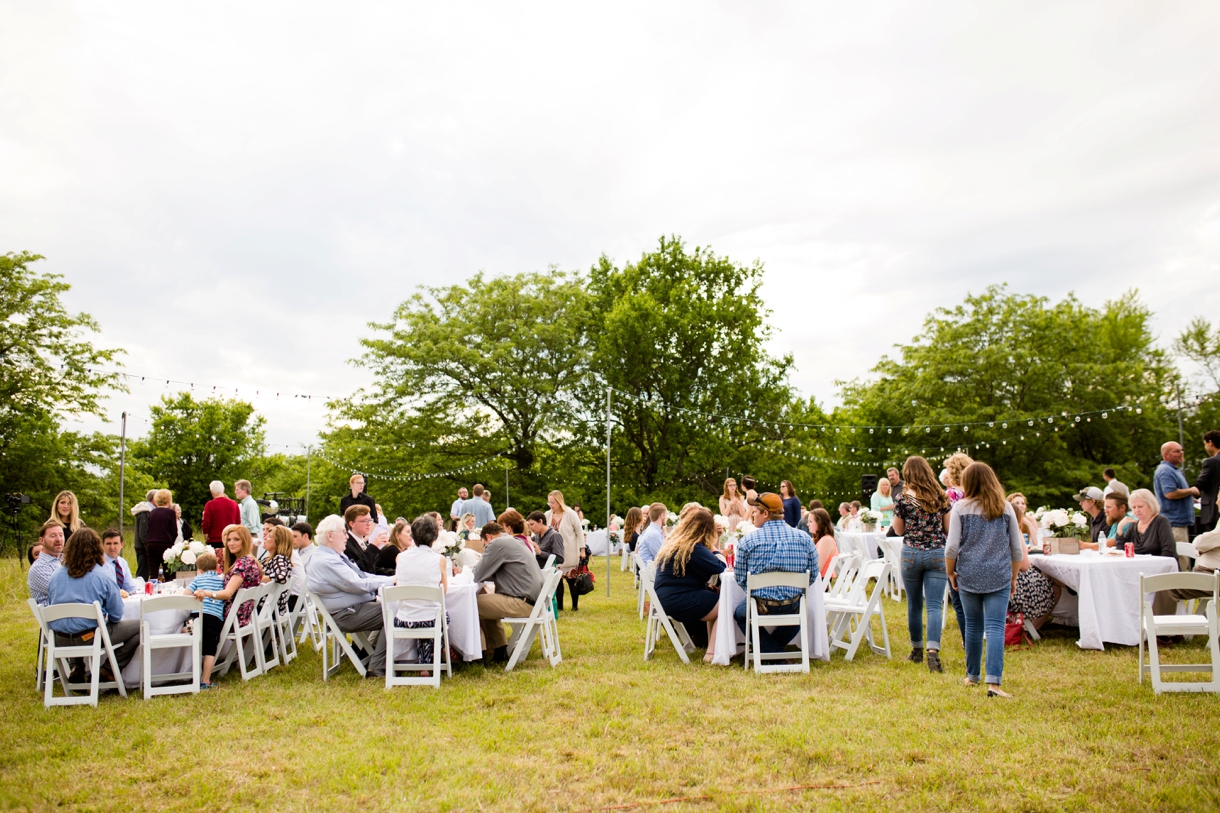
870	517
1062	523
671	518
182	555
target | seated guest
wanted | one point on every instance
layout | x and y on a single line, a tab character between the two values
844	516
1118	513
1151	533
359	524
807	517
51	538
1207	546
302	549
421	566
774	547
547	541
240	571
653	536
1036	594
161	534
514	574
824	536
112	546
33	552
465	526
685	565
631	527
399	540
348	593
277	564
514	523
1093	503
84	579
264	550
204	586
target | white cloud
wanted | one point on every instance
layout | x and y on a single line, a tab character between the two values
236	191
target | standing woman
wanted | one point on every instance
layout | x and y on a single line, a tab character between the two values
162	532
566	523
732	505
921	518
632	525
685	564
792	504
982	559
66	511
883	503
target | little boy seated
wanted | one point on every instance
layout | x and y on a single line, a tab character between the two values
203	586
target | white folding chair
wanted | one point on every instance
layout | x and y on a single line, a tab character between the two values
335	643
892	549
285	629
234	637
641	595
267	628
192	640
550	563
43	632
837	567
1153	625
659	620
849	571
438	633
540	623
850	619
755	621
305	622
58	656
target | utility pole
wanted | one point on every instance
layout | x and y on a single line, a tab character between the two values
1181	437
608	391
507	502
308	472
122	468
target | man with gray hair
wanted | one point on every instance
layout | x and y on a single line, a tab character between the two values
218	513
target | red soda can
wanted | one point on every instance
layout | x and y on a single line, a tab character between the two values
1129	550
148	588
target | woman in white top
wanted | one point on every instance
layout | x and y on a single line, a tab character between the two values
567	524
732	505
421	566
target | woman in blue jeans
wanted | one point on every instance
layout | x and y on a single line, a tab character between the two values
921	518
982	560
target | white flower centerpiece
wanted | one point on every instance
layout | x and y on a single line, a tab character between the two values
869	519
1062	524
181	556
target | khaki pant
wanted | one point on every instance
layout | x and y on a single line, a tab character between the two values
491	609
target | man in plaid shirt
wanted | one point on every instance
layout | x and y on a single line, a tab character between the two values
775	546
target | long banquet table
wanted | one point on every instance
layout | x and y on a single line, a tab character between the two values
164	661
1107	587
730	639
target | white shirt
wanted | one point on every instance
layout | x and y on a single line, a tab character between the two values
1110	486
419	567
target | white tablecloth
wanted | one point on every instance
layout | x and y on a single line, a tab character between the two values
1107	588
852	541
164	661
730	639
461	602
598	543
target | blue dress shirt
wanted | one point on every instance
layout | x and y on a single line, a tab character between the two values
338	583
124	571
96	585
650	542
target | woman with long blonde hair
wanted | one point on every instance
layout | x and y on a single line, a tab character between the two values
921	518
685	565
65	510
982	560
732	504
566	523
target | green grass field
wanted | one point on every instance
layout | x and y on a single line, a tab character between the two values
605	730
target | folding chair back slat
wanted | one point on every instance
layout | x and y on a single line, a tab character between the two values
172	640
1152	625
57	656
438	634
540	623
755	621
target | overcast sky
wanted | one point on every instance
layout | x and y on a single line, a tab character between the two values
235	190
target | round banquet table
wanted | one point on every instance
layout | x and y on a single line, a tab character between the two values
867	542
730	639
599	543
1107	607
461	602
164	661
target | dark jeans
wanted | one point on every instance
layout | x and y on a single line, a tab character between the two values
770	641
923	578
959	611
985	613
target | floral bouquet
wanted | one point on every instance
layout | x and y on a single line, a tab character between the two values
671	519
1062	523
870	517
182	555
450	545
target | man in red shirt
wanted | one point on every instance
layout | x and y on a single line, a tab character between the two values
218	513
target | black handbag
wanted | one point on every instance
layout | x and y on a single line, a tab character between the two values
582	585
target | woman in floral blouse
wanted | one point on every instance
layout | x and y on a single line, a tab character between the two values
240	570
278	568
921	518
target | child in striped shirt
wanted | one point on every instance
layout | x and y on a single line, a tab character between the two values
204	586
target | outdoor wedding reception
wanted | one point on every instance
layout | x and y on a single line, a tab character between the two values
646	407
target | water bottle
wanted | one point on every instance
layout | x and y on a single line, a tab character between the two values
1101	541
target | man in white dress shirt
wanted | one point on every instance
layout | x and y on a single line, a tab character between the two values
112	546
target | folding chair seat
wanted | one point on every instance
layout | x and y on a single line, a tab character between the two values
234	638
43	632
1153	625
659	620
540	623
57	657
438	634
335	643
267	627
755	621
149	642
850	618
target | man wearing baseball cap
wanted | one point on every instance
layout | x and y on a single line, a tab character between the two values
1093	503
774	547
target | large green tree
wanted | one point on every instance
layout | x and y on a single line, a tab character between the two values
49	372
192	443
1026	368
682	346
